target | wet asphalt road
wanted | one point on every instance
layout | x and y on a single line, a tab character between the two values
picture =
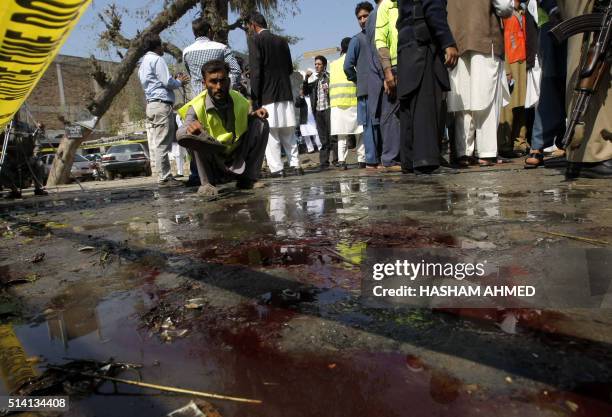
123	257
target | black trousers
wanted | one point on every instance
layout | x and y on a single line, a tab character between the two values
251	150
323	121
422	120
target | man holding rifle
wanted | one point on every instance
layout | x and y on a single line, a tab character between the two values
589	150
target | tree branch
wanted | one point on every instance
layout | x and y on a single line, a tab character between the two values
136	50
174	50
98	74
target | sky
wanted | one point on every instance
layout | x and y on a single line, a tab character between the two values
320	24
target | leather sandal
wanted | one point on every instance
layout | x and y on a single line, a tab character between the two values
534	160
484	163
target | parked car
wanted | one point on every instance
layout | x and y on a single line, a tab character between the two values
126	159
93	157
82	169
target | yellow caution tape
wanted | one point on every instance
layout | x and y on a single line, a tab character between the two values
14	366
31	34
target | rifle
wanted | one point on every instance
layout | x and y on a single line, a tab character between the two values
596	65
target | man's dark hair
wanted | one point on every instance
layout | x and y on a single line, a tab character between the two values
364	5
258	19
322	59
152	42
200	27
213	66
344	45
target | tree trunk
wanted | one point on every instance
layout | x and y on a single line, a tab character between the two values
60	170
217	13
64	157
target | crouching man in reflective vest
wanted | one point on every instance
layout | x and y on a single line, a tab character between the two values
228	139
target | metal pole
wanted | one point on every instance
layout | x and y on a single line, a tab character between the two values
5	144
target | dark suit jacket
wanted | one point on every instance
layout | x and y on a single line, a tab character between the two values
271	67
300	103
412	55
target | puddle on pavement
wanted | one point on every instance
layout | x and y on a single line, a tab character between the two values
235	355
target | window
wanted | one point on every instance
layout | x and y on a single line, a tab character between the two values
131	148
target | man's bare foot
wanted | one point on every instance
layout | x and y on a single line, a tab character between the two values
208	190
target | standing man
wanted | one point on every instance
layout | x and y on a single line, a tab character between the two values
204	50
479	88
426	48
357	68
376	77
386	44
271	68
318	91
590	153
343	102
159	88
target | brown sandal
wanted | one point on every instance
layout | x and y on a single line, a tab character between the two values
533	156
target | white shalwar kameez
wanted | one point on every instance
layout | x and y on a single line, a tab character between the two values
479	90
281	119
309	130
344	123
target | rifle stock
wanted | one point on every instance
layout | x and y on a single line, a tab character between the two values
592	69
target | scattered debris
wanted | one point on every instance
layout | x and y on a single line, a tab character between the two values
579	238
571	405
76	377
508	325
190	410
200	409
168	335
39	257
8	280
509	380
195	303
55	225
86	376
87	249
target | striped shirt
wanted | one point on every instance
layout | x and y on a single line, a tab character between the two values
323	93
204	50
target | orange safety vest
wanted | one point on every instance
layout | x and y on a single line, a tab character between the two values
515	38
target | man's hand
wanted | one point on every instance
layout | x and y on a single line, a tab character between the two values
260	113
308	75
390	83
194	128
183	78
451	56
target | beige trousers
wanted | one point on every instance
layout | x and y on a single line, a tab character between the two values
594	142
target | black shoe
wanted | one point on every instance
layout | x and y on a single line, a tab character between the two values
324	168
40	192
342	166
279	174
362	165
299	171
426	170
13	195
193	182
595	170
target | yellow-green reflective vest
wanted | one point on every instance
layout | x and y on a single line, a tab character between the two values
213	124
342	92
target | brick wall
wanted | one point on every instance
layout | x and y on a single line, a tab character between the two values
46	102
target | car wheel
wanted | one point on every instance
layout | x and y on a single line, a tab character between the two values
110	175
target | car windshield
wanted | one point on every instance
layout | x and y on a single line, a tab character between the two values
79	158
132	148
